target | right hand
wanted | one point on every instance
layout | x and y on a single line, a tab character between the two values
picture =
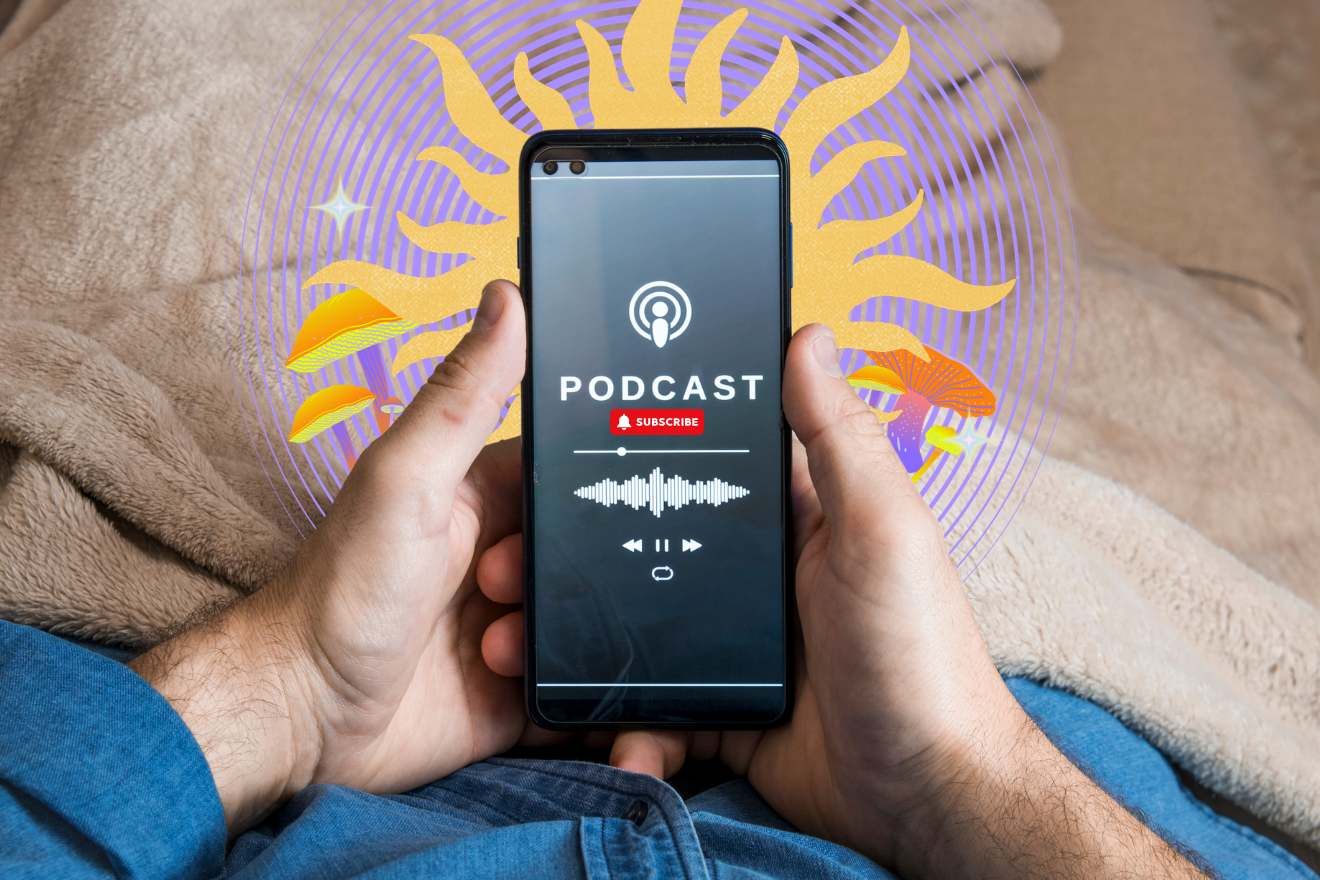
894	680
905	744
896	691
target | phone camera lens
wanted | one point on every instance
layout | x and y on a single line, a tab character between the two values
577	166
551	167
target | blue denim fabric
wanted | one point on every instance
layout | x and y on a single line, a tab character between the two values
100	777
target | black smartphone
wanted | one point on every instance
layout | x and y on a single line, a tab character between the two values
656	268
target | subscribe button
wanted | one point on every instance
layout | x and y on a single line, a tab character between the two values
644	422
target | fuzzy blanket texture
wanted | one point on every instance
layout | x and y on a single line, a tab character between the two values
1164	567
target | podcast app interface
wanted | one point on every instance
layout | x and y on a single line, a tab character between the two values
656	405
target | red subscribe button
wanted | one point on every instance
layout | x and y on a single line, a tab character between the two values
643	422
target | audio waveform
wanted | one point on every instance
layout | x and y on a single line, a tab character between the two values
658	493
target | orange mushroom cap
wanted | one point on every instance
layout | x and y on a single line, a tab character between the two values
874	377
327	408
941	380
340	326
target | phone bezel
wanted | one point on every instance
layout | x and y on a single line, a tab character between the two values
592	145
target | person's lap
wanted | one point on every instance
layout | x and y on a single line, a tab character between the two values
547	818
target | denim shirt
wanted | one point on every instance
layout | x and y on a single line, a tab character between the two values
100	777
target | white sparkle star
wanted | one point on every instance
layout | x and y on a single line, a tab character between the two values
970	440
340	209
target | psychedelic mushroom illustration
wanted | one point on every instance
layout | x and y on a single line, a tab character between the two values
938	381
874	377
352	322
328	409
390	407
342	325
943	439
831	278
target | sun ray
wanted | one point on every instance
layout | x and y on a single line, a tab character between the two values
469	104
497	193
702	87
549	107
762	105
876	336
841	170
425	346
455	236
913	278
603	86
647	50
854	236
833	103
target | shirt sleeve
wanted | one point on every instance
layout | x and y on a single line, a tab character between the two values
98	775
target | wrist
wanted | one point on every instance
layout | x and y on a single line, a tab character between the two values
237	682
974	770
1014	806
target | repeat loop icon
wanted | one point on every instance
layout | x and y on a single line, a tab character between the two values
660	311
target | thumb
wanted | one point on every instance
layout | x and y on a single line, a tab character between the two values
859	480
451	416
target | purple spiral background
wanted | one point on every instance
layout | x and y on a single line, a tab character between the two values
366	100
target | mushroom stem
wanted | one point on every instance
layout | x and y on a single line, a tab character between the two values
377	380
345	445
905	431
926	465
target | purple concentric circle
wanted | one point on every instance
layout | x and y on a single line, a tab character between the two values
367	100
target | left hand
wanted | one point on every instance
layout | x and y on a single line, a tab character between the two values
361	665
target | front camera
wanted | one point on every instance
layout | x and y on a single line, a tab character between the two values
577	166
551	167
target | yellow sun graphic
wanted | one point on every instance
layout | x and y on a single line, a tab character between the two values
830	280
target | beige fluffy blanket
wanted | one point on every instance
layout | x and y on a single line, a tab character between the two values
1166	569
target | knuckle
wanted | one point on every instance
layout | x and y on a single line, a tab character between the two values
894	541
379	474
380	470
920	540
860	423
385	488
456	373
855	435
460	390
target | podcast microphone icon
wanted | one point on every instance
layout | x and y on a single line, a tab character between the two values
659	323
660	311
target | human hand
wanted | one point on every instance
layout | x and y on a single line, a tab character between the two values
895	675
361	664
896	693
905	744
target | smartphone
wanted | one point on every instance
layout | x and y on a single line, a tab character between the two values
656	268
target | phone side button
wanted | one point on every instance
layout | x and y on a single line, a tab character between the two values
790	256
517	253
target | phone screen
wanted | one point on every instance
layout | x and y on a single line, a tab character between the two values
657	545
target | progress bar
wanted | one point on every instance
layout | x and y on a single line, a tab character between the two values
662	684
624	450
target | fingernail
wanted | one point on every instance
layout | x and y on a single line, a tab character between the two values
827	353
490	308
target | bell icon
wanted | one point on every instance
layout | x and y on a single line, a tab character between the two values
624	423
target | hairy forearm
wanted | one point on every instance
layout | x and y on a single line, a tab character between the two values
227	680
1020	809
